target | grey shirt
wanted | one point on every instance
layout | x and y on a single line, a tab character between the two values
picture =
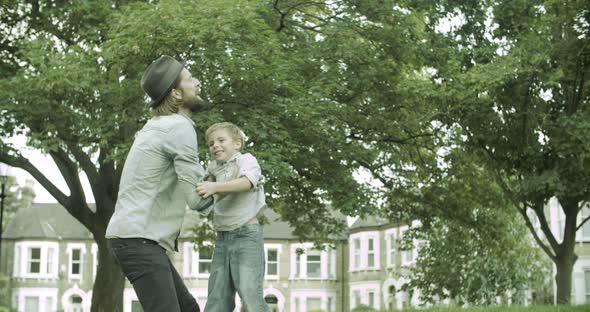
235	209
159	179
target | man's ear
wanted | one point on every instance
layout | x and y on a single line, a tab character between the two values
176	93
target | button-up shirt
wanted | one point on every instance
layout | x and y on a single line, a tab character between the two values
235	209
159	179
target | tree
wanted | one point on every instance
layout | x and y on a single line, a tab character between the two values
292	74
513	84
479	249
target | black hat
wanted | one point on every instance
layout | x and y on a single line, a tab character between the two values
158	79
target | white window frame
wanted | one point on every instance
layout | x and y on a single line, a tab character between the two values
44	294
355	264
278	248
302	269
364	288
364	237
46	248
301	296
70	252
391	251
191	260
94	251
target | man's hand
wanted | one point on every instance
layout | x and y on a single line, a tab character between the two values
206	189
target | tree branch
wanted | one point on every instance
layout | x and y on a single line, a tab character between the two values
25	164
582	223
542	221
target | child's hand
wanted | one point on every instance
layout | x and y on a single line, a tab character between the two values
206	189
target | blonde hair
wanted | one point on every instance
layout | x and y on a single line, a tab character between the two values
169	105
234	132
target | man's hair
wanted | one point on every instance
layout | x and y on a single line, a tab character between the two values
234	132
169	105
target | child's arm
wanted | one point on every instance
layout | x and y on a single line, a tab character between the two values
241	184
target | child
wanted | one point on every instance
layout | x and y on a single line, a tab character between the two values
238	257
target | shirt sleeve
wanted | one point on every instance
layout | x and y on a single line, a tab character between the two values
249	168
183	149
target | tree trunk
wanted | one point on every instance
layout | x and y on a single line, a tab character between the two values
107	293
563	279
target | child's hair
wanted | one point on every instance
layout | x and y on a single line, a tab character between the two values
234	131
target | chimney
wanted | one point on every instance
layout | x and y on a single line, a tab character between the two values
27	194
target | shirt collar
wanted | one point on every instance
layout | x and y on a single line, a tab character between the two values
231	159
187	118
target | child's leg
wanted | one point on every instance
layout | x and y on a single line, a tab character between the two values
221	291
247	267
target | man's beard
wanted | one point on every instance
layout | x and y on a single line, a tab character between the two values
195	104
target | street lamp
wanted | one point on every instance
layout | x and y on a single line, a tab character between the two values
4	173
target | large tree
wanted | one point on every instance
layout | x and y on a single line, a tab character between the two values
319	92
474	247
512	77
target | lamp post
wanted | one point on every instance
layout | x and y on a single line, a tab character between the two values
4	172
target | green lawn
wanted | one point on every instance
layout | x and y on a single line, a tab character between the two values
584	308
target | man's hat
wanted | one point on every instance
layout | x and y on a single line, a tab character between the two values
158	79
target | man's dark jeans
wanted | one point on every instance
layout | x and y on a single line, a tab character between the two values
157	284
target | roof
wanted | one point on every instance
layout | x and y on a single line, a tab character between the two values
369	222
53	221
45	221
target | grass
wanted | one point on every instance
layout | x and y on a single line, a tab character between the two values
578	308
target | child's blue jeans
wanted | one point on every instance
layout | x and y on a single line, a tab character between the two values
237	265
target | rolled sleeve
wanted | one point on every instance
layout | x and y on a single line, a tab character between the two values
249	168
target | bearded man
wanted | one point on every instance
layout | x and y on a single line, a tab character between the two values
158	181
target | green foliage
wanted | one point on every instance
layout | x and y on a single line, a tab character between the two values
5	292
548	308
363	308
325	92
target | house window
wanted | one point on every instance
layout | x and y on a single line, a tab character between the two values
75	304
197	263
371	297
31	304
205	260
298	257
356	248
371	253
587	280
76	262
307	262
272	260
356	295
391	248
272	302
314	304
34	261
314	263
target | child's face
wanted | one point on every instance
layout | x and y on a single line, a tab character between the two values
221	145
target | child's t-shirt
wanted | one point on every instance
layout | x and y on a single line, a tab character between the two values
235	209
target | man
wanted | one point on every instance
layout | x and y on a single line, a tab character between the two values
159	179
